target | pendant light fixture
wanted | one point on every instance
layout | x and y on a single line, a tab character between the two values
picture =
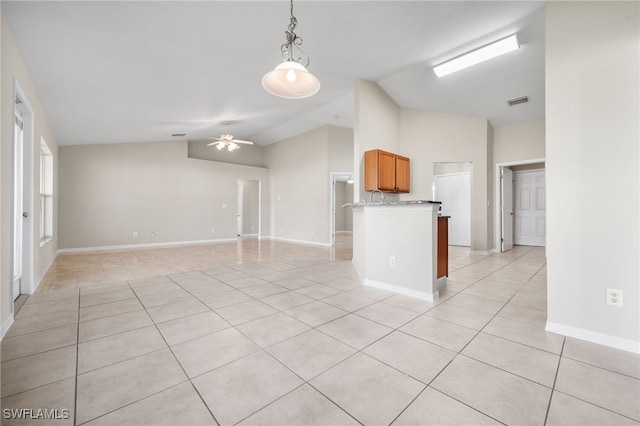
291	79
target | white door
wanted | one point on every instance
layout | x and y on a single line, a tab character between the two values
240	211
530	208
454	191
506	191
341	193
18	202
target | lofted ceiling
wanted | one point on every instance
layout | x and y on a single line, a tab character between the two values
139	71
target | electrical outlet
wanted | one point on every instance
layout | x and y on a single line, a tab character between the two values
135	234
153	235
614	297
213	230
392	261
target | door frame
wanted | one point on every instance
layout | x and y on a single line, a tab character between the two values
497	223
240	208
333	176
27	284
240	183
506	181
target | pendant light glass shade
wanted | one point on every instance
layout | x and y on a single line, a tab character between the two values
291	80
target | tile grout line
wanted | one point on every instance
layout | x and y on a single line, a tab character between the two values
133	402
555	379
75	399
265	351
459	353
495	315
174	355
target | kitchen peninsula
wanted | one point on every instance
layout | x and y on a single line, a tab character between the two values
395	246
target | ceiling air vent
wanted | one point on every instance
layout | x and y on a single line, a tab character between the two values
519	100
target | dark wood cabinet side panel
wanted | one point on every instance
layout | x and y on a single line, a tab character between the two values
443	247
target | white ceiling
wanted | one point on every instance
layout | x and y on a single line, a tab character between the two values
111	72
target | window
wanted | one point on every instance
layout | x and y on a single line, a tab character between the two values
46	193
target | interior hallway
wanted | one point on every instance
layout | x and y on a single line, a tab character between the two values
273	333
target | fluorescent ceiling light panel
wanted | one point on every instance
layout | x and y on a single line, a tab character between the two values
482	54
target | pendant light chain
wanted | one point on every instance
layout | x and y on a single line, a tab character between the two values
292	40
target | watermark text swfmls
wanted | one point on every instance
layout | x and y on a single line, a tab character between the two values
36	413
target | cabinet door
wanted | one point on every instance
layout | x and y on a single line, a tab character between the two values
371	170
386	171
403	174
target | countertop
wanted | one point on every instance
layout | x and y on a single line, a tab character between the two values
392	203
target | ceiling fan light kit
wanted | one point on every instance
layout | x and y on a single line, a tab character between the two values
291	79
227	141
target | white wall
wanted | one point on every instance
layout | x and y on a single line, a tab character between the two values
451	168
428	138
341	161
109	191
592	169
340	155
519	142
300	169
14	70
376	126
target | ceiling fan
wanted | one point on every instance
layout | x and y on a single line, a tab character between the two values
227	141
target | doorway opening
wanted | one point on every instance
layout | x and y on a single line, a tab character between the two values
452	187
22	253
248	208
341	213
521	206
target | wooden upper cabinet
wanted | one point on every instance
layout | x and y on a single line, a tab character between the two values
403	174
386	171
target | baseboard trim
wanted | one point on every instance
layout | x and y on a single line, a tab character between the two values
290	240
6	325
594	337
356	266
429	297
33	290
481	252
140	246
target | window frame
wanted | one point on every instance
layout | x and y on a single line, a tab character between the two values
46	193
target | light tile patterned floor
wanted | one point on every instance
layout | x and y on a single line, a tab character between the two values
272	333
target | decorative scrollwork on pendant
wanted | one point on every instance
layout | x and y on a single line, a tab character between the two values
292	40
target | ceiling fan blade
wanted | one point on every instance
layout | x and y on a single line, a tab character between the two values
241	141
